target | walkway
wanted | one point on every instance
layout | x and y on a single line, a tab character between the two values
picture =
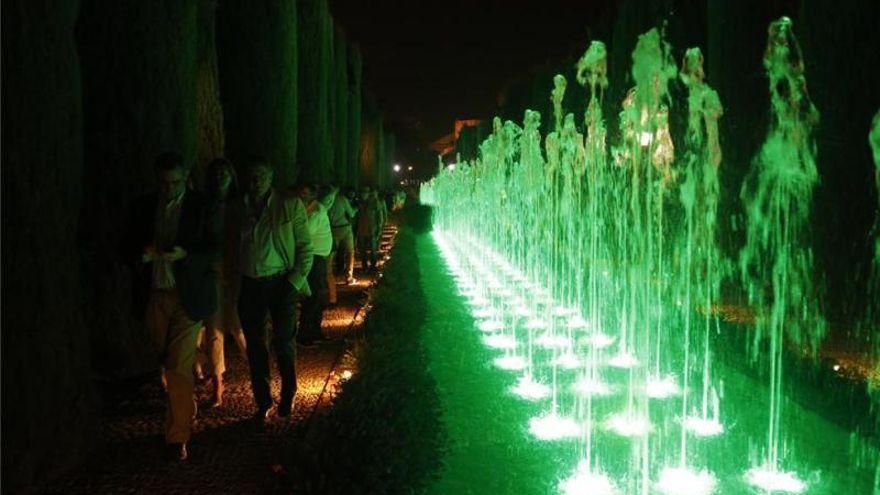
228	452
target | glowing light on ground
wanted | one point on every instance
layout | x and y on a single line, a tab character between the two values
577	321
484	313
554	427
563	311
490	326
685	481
598	340
628	426
529	389
703	427
569	361
511	363
506	293
586	386
661	387
523	312
584	481
623	361
478	301
500	341
535	324
771	480
550	341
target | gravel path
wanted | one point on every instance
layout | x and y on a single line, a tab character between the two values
229	453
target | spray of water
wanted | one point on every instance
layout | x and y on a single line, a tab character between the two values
777	262
594	270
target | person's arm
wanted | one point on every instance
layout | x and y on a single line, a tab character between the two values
350	212
330	197
304	250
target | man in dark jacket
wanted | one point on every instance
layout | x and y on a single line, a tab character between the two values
173	242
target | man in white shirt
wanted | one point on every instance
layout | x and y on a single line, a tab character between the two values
322	242
341	215
276	256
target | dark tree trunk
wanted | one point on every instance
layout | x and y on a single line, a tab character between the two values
355	114
341	108
139	99
257	50
315	152
371	141
48	410
209	114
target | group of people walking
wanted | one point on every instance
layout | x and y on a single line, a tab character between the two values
216	263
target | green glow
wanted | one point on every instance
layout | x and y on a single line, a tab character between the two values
592	271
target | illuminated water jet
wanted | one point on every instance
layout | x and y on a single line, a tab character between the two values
623	361
626	425
535	324
661	387
500	341
568	360
592	387
552	341
551	426
484	313
773	481
585	481
685	481
598	340
577	321
491	326
512	363
703	427
529	389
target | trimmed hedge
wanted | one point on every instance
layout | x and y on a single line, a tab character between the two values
383	433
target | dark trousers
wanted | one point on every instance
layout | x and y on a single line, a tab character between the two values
277	298
368	248
313	306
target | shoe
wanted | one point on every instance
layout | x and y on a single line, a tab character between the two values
177	451
285	410
262	414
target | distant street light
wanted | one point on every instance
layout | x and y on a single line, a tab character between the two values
397	168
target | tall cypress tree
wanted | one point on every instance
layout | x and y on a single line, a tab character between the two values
315	153
257	48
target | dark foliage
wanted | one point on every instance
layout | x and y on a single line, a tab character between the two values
383	434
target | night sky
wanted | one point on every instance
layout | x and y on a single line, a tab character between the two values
428	63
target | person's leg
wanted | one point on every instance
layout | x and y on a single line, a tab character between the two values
203	360
217	361
320	292
180	356
308	332
231	321
331	278
156	323
252	308
282	307
240	342
374	251
348	255
362	246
